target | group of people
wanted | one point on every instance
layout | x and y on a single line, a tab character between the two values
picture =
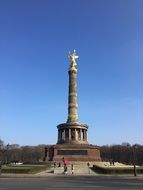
55	164
65	162
66	169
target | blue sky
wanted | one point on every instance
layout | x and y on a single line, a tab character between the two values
35	37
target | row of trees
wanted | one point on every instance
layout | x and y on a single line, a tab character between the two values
124	153
16	153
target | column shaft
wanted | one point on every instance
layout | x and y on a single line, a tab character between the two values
72	98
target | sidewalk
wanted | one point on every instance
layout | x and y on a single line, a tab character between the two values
46	175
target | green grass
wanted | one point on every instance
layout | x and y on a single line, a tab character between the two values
24	169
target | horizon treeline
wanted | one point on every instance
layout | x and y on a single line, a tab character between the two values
123	153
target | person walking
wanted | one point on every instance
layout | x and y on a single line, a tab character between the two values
65	169
72	170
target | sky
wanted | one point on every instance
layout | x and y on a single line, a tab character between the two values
35	38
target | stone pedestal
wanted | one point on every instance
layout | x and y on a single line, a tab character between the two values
74	152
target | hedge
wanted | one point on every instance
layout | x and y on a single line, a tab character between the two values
122	170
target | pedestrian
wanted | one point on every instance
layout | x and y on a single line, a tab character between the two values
88	164
54	164
72	170
65	169
63	160
0	168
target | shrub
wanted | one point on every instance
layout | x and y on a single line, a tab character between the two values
122	170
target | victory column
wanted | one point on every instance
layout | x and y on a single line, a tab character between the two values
72	131
72	142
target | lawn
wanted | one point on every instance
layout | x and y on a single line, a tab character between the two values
117	170
24	169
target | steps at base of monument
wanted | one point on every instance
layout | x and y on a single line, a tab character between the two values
59	170
79	169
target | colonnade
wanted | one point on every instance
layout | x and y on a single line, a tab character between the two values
72	134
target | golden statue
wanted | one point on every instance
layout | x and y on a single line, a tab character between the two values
73	58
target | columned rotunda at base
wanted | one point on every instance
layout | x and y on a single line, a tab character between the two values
72	133
72	142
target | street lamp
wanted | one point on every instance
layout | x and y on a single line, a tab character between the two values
7	153
1	162
2	151
134	159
